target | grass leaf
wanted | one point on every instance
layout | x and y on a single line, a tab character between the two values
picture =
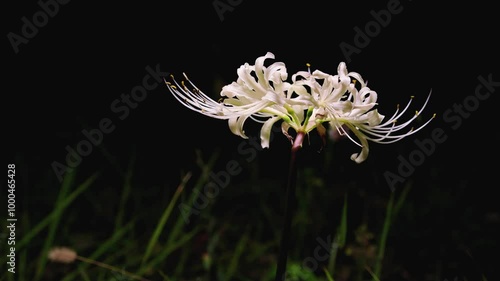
164	218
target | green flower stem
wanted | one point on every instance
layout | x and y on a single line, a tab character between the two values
289	207
294	116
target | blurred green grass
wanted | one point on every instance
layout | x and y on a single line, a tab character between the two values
234	236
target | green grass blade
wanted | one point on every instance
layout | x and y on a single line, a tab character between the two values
105	247
46	221
342	231
401	200
182	261
54	223
169	249
374	276
127	187
163	219
328	276
206	168
339	239
383	237
233	264
392	211
175	239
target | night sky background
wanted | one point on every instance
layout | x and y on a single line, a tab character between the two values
66	78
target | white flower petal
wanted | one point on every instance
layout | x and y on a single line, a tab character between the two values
360	157
245	79
260	68
236	125
265	131
275	98
276	73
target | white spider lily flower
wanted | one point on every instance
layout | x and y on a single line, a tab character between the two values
337	100
260	93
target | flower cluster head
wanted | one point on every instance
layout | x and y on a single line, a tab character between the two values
264	94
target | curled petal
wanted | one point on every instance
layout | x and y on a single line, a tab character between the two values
358	78
245	79
373	118
265	131
276	73
343	75
259	65
321	75
236	125
300	90
300	76
366	96
360	157
233	90
342	69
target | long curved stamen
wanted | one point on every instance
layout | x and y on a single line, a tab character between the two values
341	128
396	116
350	138
193	102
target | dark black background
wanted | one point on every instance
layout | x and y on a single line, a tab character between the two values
66	77
87	56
